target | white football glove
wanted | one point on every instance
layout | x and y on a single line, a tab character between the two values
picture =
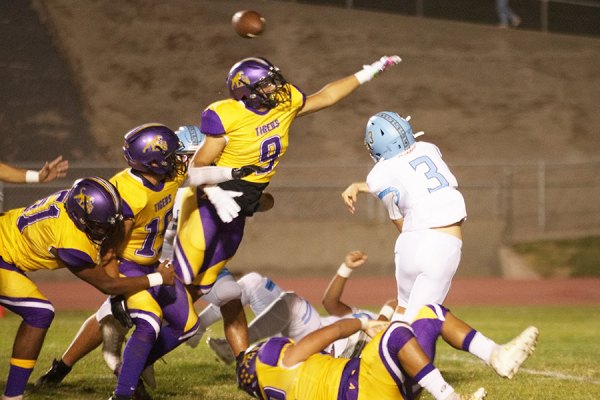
371	71
224	202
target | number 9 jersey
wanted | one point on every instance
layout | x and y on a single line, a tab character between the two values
253	137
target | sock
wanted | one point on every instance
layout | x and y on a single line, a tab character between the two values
479	345
18	375
63	368
209	316
134	358
430	378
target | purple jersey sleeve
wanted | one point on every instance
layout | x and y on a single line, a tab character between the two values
127	211
210	123
269	353
75	258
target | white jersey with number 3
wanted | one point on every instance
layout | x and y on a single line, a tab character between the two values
418	186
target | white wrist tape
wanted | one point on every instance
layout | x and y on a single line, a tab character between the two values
364	75
155	279
344	271
32	176
364	323
387	311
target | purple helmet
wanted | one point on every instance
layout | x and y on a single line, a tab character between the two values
95	206
153	148
245	370
257	83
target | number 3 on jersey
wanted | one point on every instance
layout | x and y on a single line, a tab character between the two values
432	172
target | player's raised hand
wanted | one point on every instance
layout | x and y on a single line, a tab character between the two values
372	70
166	270
54	169
355	259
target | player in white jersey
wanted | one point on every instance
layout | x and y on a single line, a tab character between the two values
422	199
284	313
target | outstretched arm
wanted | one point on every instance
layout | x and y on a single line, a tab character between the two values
323	337
337	90
332	297
52	170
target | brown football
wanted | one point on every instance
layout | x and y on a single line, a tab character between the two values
248	23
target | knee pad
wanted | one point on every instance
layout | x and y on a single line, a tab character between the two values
223	291
398	333
37	317
250	281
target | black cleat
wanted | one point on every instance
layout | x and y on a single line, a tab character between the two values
55	375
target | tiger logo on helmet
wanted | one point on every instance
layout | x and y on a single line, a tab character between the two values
153	148
95	207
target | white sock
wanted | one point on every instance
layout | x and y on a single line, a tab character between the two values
209	316
435	384
482	347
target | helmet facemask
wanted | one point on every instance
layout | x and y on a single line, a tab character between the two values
246	371
269	92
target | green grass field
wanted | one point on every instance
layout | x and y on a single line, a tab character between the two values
565	365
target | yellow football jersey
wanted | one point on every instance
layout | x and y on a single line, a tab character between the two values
38	236
317	378
151	208
253	138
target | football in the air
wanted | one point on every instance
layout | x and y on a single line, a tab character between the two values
248	23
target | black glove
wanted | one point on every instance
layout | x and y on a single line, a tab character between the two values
118	306
239	173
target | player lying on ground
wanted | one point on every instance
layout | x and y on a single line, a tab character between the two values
396	364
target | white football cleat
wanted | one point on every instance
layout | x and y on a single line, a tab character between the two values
113	336
507	358
221	349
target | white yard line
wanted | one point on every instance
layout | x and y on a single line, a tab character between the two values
549	374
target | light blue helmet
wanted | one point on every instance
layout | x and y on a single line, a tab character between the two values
191	137
387	135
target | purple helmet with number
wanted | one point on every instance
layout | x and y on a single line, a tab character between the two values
257	83
153	148
387	135
96	208
245	369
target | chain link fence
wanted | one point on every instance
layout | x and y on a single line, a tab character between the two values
309	229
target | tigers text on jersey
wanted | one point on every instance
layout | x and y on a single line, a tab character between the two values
253	138
418	187
151	208
38	236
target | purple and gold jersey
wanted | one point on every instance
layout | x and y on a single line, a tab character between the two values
376	375
253	138
41	235
151	208
317	378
